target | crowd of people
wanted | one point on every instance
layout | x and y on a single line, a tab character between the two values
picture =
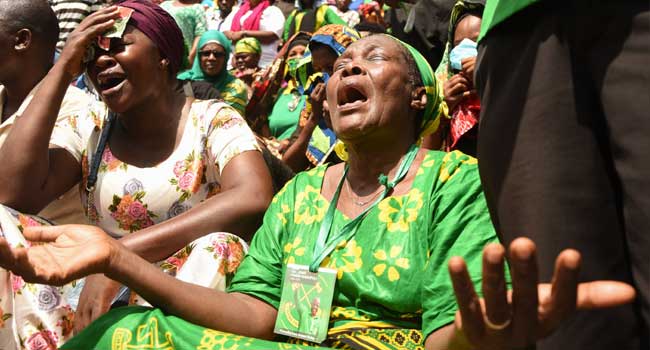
259	174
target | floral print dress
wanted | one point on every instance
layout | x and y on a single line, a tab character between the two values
127	199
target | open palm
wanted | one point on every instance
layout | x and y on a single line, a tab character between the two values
59	254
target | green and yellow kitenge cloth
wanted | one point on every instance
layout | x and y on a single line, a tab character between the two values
392	288
309	20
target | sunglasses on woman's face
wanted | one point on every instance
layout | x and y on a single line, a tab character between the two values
207	53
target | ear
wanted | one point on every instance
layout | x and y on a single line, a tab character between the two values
164	63
22	39
419	98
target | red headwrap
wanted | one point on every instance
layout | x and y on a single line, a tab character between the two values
160	27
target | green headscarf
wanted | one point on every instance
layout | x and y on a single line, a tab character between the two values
434	108
248	45
196	73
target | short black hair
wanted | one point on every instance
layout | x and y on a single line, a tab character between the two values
35	15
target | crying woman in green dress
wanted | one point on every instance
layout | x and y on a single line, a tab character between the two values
387	221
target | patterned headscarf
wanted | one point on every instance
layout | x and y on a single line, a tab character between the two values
336	36
161	28
248	45
196	73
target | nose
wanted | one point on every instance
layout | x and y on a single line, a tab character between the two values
352	68
105	60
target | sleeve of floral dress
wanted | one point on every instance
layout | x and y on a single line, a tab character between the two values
260	274
228	134
461	227
74	127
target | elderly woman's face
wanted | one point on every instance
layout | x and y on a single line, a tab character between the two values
212	58
368	90
245	60
129	72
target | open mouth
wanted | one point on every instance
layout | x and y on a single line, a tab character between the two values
109	82
351	95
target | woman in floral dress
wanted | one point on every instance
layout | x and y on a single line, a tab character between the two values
172	171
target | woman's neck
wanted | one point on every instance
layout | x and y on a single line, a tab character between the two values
156	117
367	161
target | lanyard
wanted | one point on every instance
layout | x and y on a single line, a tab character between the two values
324	246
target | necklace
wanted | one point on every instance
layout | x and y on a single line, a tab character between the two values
357	202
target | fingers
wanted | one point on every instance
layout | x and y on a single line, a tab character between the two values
7	259
497	309
468	302
101	16
602	294
524	291
43	233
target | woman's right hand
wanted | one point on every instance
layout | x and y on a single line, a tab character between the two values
95	300
83	36
67	253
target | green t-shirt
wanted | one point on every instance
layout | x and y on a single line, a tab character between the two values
284	117
496	11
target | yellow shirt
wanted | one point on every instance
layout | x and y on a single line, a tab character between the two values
67	208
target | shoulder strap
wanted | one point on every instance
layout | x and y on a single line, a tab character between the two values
97	156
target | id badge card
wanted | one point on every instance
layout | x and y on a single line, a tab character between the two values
306	303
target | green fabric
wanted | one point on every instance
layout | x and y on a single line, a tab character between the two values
233	91
434	108
282	120
324	16
138	327
235	94
402	245
248	45
392	275
196	73
190	19
497	11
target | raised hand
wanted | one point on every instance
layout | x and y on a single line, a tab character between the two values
83	37
455	90
69	252
517	319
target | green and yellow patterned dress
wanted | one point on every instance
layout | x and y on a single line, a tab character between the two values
393	288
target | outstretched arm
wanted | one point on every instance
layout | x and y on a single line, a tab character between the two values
74	251
517	319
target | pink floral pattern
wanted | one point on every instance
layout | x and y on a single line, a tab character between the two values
110	163
188	176
229	250
129	211
43	340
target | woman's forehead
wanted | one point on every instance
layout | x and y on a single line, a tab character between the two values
375	41
213	46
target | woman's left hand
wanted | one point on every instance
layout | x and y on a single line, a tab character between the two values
317	97
517	319
69	252
468	65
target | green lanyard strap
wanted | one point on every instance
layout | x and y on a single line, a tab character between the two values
324	246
